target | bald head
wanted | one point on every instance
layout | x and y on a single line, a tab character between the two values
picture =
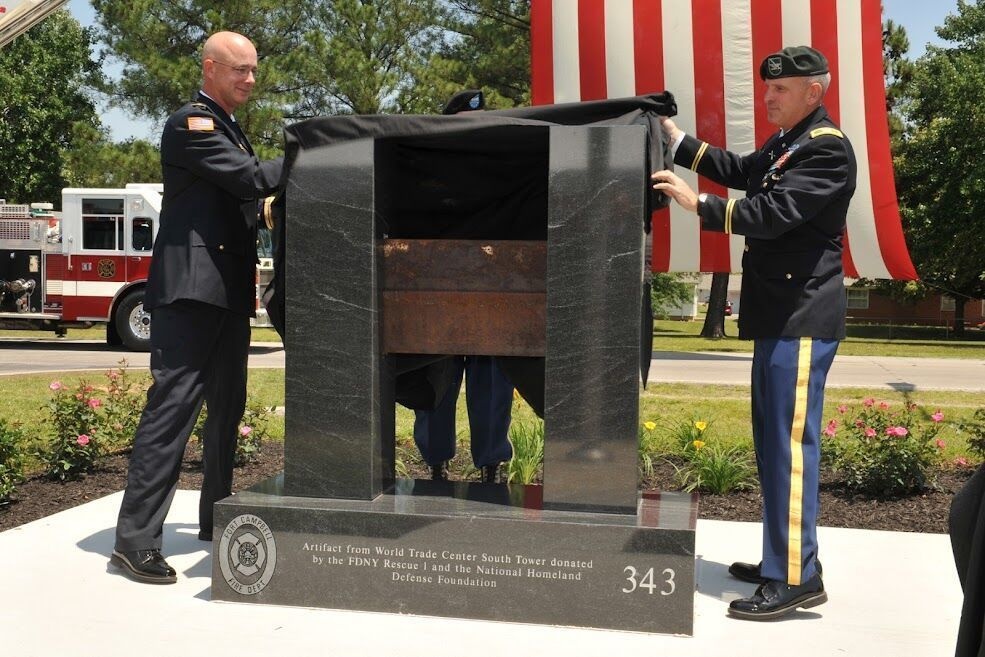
229	67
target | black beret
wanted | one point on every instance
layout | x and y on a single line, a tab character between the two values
797	61
465	101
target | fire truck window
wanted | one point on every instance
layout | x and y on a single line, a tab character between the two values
102	223
143	234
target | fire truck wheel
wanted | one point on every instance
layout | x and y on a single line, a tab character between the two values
133	322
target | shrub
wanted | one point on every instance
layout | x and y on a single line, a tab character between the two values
688	435
528	451
717	469
74	431
975	428
649	446
11	459
122	408
253	429
884	450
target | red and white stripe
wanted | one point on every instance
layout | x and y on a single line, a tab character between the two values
707	52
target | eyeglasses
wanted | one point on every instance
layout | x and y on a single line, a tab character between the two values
241	71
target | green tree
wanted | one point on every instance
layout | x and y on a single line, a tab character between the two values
898	72
940	162
667	291
317	57
159	46
486	46
45	74
95	161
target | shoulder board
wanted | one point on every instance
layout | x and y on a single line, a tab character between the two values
821	132
199	105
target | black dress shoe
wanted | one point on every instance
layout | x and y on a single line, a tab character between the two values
490	474
205	535
145	566
752	573
439	472
774	599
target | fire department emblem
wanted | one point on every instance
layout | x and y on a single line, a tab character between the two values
106	268
247	554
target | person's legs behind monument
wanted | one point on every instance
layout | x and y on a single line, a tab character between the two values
489	399
434	430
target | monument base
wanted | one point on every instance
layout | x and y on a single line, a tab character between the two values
461	550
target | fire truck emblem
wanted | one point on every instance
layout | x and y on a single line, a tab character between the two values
106	268
247	554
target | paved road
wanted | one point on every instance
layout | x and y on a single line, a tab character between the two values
894	373
20	356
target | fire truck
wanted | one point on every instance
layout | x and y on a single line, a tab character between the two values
88	264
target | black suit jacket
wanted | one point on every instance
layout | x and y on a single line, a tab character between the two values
206	244
798	187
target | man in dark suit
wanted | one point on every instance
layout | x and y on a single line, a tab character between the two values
201	296
798	186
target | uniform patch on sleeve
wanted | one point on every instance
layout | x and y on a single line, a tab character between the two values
820	132
203	123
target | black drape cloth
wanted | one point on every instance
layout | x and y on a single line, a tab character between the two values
966	526
474	175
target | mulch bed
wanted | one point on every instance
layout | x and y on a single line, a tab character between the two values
925	512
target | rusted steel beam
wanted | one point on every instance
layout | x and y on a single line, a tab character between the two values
459	265
480	323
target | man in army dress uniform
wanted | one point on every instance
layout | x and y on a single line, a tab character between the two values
798	187
201	294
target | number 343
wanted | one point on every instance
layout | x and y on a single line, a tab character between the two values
667	586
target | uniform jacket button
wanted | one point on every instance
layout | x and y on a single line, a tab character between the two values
222	247
789	276
746	248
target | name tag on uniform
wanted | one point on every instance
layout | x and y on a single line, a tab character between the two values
201	123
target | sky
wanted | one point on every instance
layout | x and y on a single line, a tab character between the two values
919	17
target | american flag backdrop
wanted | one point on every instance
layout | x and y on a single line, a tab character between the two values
707	53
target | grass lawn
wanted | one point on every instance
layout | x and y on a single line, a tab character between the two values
724	408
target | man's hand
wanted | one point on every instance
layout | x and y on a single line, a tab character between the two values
671	184
670	128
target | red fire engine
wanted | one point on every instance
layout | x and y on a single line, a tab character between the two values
87	264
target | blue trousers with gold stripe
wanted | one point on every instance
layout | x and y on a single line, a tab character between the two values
788	376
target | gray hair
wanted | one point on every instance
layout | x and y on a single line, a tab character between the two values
823	79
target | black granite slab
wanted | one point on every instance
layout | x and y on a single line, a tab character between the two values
480	551
339	394
594	280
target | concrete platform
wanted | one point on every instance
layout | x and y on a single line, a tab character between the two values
890	594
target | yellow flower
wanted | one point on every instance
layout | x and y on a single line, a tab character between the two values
701	425
649	426
698	444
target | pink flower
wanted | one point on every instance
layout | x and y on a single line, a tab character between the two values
870	432
95	403
246	430
899	432
961	461
83	439
829	430
842	409
55	385
859	424
937	417
941	444
869	402
87	388
78	396
883	405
